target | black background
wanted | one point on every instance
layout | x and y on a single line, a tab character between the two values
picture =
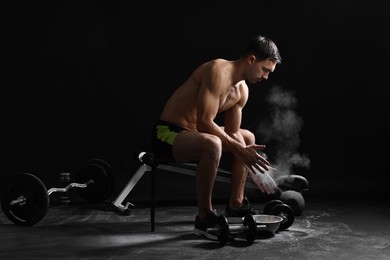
89	78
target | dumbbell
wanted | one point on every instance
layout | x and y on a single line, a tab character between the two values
291	189
224	229
294	199
279	208
25	200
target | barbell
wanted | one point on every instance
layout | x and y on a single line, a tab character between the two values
25	200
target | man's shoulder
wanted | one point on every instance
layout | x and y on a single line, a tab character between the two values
211	67
218	66
212	63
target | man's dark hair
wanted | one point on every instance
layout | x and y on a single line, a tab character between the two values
263	48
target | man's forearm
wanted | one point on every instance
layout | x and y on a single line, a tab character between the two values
232	142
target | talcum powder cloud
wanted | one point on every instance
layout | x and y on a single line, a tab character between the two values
282	130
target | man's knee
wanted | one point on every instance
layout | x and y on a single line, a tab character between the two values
212	146
249	137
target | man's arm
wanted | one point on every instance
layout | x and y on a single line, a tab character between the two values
207	107
232	121
233	116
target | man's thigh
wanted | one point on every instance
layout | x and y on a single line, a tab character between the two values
189	146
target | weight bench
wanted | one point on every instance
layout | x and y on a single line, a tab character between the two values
150	164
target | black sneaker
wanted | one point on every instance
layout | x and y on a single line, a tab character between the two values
242	211
201	226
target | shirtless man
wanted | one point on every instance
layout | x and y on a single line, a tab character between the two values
187	132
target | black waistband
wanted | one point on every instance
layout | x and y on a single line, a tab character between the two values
171	126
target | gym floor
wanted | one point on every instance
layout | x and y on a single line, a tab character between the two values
327	229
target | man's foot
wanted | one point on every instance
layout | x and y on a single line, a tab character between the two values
201	226
242	211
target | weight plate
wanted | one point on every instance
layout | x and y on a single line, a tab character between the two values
269	205
223	229
34	200
101	162
251	232
286	212
295	200
101	187
110	176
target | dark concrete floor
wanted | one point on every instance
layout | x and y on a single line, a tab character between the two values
348	229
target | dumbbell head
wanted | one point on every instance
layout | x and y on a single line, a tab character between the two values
270	204
251	228
99	175
284	211
25	199
223	229
247	226
295	200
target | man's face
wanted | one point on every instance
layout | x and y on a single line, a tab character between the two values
259	70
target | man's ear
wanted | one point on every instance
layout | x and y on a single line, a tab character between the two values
251	59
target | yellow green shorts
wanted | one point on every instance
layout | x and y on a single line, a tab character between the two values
163	136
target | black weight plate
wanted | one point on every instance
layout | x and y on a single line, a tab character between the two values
295	200
101	162
36	202
101	187
110	176
269	205
223	229
286	212
251	232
